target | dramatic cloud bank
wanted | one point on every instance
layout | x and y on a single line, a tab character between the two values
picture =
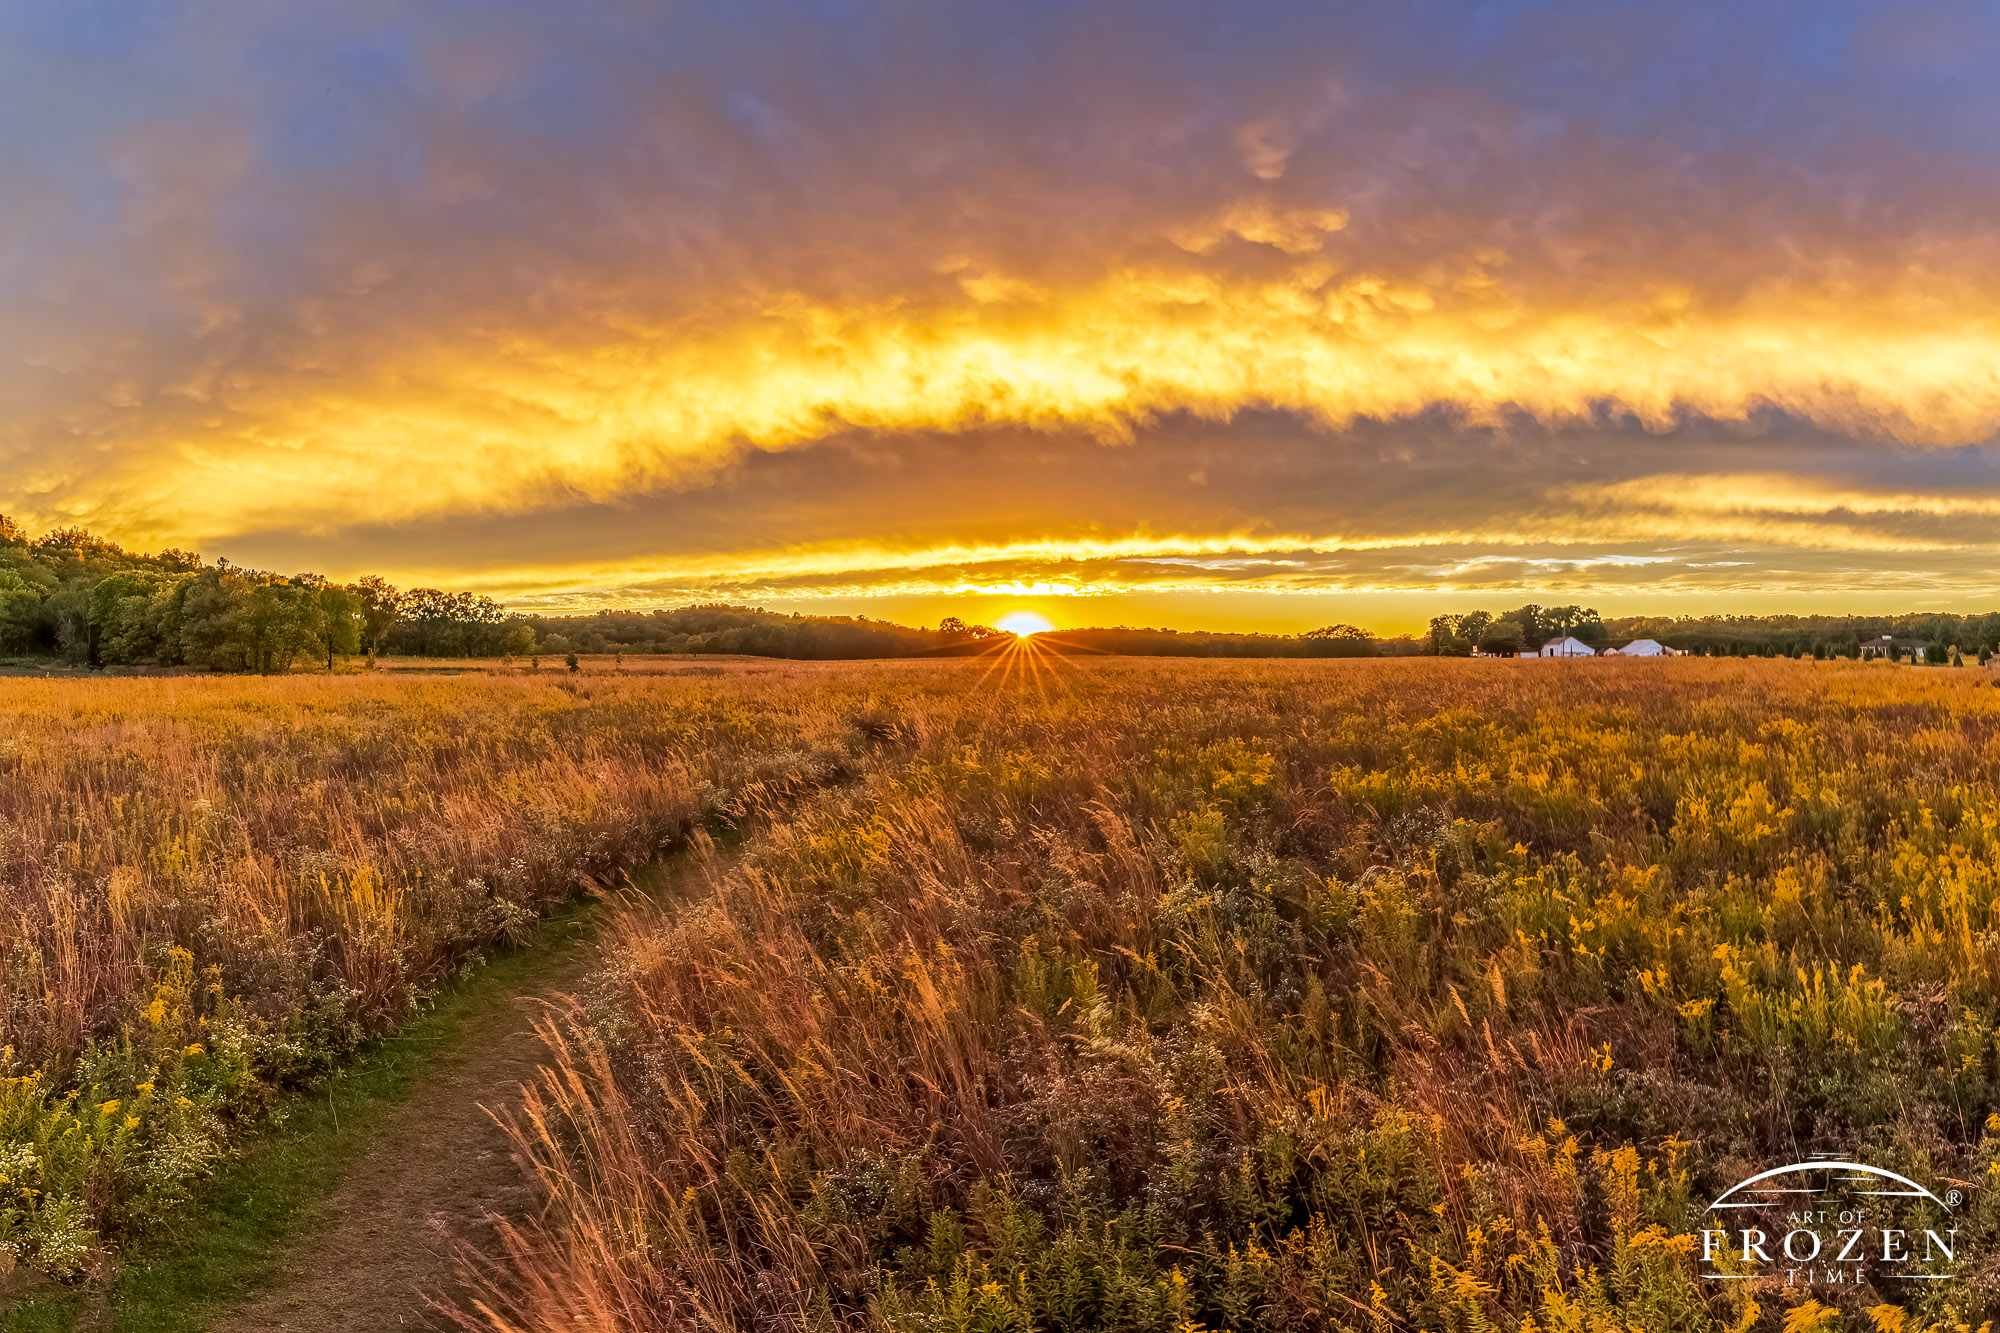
635	301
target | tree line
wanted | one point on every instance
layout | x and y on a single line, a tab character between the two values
74	595
1327	641
718	628
1527	628
1937	632
1505	633
721	628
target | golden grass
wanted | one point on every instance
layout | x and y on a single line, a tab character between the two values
1081	995
1374	995
211	888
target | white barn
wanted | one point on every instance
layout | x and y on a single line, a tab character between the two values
1568	646
1645	648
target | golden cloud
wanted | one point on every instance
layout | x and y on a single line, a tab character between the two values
509	419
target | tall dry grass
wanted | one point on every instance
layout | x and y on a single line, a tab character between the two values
1395	995
211	889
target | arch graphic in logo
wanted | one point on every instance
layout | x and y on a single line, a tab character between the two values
1827	1222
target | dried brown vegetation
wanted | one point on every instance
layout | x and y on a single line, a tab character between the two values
211	889
1108	994
1376	995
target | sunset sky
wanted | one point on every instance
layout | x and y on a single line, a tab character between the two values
1239	315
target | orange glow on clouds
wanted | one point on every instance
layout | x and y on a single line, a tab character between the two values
981	306
503	426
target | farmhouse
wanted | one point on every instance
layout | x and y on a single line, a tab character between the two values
1567	646
1891	647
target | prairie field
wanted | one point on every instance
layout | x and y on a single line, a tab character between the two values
1433	995
1112	994
211	890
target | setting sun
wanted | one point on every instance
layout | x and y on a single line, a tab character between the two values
1024	623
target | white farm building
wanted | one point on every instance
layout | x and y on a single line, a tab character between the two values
1645	648
1567	646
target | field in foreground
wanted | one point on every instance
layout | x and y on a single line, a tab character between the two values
1118	994
1410	995
212	890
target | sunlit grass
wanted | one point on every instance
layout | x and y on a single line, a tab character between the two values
1224	995
213	890
1106	994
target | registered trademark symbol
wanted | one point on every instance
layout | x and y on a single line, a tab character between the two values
1951	1198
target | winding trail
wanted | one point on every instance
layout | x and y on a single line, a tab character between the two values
382	1249
435	1173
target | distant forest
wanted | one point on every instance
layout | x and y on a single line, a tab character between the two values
737	629
75	596
1815	636
71	595
742	629
1527	627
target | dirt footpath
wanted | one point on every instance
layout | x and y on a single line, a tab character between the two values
432	1179
437	1172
